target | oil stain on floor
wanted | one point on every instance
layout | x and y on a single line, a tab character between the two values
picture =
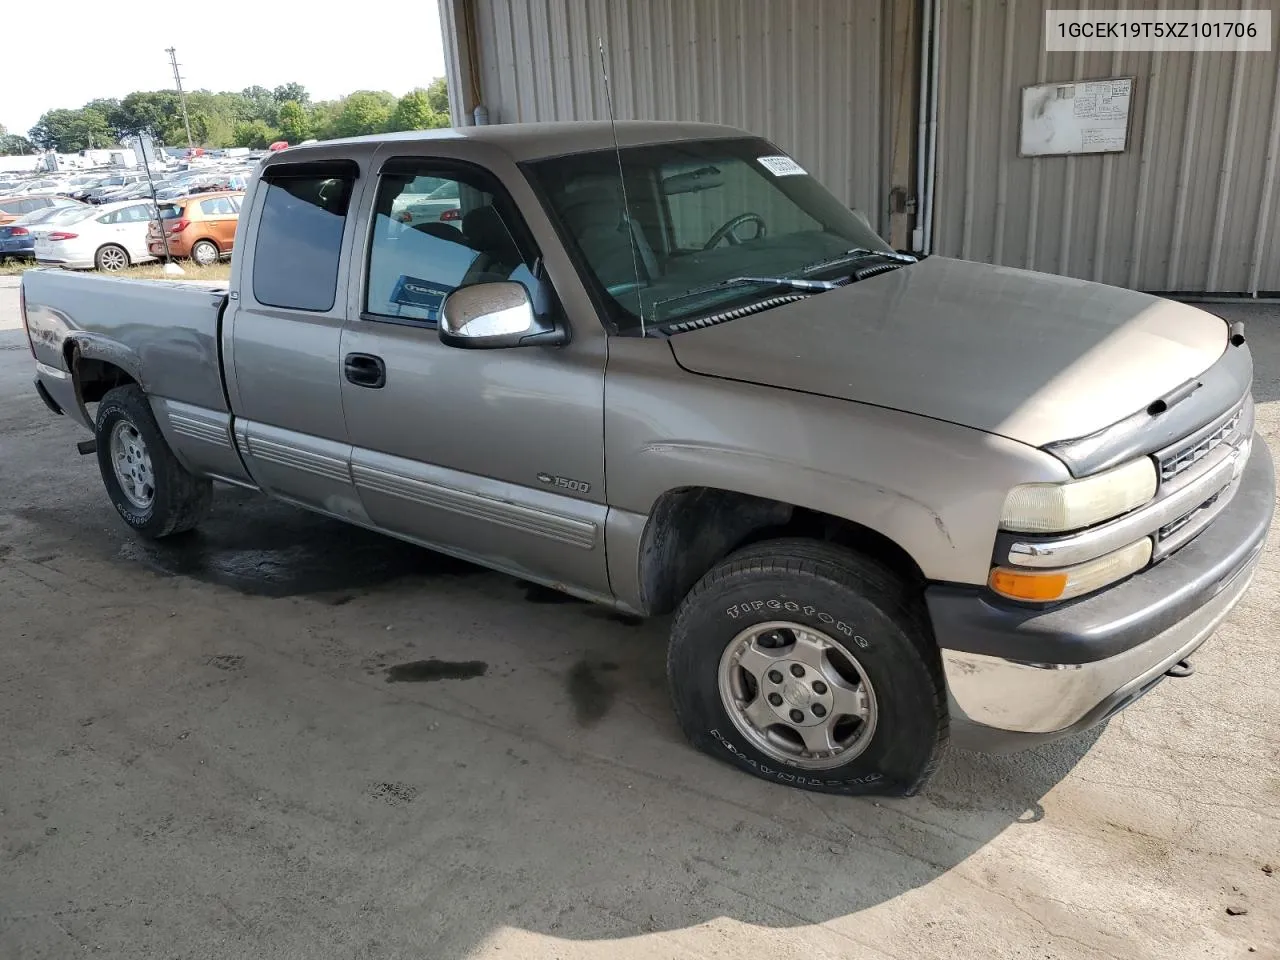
425	671
592	695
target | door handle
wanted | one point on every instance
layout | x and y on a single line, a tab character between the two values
365	370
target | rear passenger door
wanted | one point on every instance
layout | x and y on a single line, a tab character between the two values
281	339
131	224
496	455
219	221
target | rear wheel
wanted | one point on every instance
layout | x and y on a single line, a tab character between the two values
204	252
810	665
150	489
111	258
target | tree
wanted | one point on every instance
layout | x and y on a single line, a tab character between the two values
262	104
70	131
254	134
414	112
295	125
13	145
438	96
291	91
158	112
364	112
109	107
324	118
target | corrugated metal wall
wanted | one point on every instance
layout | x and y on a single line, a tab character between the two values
1191	205
808	74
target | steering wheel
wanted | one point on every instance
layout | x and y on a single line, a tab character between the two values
730	230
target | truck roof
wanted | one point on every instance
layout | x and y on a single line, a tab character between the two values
532	141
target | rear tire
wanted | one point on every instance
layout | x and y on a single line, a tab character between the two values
153	493
204	252
786	632
111	258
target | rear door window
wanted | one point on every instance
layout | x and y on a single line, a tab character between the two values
299	241
217	207
135	214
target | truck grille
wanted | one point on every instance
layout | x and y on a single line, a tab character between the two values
1172	464
1169	529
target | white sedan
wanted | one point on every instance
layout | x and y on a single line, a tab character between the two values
109	237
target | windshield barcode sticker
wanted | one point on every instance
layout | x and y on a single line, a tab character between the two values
781	166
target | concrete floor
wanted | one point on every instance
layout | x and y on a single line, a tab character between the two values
203	755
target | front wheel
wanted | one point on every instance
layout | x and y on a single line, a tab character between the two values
150	489
810	665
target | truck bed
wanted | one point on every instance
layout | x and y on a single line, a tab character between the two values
163	334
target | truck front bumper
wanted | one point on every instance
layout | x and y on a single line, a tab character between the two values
1020	676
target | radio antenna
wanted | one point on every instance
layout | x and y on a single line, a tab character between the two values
622	181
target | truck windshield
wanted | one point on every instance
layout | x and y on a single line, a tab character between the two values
697	213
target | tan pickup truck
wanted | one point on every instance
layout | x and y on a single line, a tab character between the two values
891	503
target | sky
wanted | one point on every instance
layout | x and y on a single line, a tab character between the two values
220	47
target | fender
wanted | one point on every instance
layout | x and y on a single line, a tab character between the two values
760	491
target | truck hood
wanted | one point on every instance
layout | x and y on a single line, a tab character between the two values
1030	356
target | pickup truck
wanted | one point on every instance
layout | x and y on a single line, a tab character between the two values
893	503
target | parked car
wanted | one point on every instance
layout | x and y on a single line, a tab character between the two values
112	183
38	187
82	191
18	239
430	200
892	503
201	227
108	238
13	207
134	191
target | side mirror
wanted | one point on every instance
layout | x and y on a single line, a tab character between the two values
497	314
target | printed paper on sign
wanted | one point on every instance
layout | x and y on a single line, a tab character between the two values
420	294
781	166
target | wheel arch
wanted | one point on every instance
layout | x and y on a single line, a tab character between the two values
97	365
690	529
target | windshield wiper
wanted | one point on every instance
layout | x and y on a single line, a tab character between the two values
811	286
858	253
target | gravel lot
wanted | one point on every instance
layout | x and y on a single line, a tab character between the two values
224	749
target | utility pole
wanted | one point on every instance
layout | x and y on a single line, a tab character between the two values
182	97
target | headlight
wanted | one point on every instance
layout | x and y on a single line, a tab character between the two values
1056	507
1044	586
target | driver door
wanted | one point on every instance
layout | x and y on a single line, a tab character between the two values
491	454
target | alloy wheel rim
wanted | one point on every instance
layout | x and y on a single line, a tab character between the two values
112	259
799	695
131	462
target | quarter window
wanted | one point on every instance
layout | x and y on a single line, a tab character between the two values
299	242
435	233
217	207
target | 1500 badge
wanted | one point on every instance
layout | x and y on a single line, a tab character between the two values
564	483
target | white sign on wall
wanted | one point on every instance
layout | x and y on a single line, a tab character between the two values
1090	116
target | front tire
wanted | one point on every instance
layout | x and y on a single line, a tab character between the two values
111	258
153	493
810	665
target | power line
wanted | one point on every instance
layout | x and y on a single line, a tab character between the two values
182	97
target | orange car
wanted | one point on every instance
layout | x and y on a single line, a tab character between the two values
201	226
